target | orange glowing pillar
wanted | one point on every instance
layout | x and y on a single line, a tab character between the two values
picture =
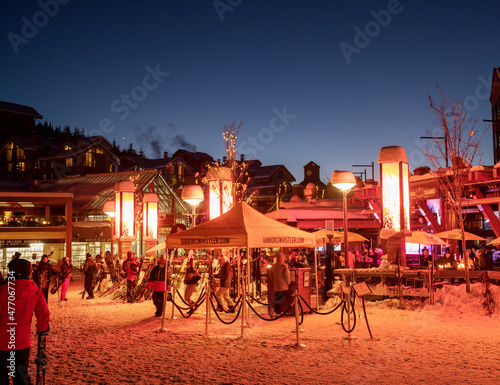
124	216
220	184
395	199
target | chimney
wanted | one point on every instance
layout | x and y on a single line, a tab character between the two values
242	157
165	154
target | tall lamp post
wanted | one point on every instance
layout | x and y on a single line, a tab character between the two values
344	181
109	210
193	194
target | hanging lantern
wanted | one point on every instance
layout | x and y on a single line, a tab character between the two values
395	189
220	184
124	209
150	216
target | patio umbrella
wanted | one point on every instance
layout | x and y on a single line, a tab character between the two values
494	242
338	237
423	238
159	246
457	234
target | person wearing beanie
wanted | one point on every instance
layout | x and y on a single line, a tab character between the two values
15	321
89	270
130	266
43	273
156	282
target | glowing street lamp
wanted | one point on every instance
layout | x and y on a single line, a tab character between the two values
344	181
193	194
124	216
220	185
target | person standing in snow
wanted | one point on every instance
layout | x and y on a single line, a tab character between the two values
42	276
279	275
130	266
19	298
89	270
190	280
157	283
225	283
66	269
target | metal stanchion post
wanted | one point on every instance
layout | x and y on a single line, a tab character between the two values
173	306
297	330
208	299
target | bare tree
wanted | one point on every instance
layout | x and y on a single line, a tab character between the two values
456	147
238	168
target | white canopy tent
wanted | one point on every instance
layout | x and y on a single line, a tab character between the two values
242	226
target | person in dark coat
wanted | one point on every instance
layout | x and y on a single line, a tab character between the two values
279	275
23	295
89	270
225	283
157	283
43	273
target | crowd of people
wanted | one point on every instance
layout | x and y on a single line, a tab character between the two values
479	259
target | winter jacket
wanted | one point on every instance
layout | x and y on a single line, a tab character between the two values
279	274
42	274
131	269
192	276
28	298
157	279
225	275
89	268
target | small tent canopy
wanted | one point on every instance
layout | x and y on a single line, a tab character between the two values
241	226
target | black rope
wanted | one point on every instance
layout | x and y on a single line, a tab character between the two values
301	312
259	302
317	312
268	319
219	305
344	310
220	319
366	318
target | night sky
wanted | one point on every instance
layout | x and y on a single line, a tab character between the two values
324	81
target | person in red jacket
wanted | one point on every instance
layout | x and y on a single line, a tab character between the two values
19	298
157	283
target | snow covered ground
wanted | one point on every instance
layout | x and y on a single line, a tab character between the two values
105	342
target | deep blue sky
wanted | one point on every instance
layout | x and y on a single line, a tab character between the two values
256	60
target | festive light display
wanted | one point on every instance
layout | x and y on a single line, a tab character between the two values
395	188
150	216
124	209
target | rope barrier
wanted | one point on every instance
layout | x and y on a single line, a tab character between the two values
317	312
344	310
217	313
268	319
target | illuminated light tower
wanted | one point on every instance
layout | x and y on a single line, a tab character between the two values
124	216
109	210
220	185
395	201
150	219
193	194
344	181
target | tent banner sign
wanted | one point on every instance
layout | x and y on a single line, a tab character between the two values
288	240
205	241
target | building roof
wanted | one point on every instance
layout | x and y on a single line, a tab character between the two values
34	143
92	190
19	109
